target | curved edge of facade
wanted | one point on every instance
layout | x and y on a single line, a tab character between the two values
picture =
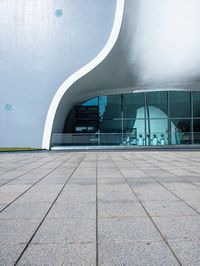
82	72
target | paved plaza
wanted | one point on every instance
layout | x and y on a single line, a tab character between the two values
100	208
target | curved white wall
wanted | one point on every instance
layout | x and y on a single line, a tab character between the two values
80	73
157	49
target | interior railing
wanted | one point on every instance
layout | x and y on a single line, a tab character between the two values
125	139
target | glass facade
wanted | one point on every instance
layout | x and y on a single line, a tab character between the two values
147	118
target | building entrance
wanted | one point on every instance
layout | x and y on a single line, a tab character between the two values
147	118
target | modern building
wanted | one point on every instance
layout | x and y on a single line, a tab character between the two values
98	72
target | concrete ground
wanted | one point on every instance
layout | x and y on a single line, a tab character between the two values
100	208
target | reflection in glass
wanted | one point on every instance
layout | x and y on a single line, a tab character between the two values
110	126
180	104
157	102
136	119
110	107
158	133
132	104
181	131
196	130
196	104
91	102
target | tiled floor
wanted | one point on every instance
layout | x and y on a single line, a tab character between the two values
100	208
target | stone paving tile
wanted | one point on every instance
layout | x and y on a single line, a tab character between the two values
7	198
179	228
115	187
9	253
127	229
83	182
194	204
2	206
168	208
189	194
72	209
126	235
188	252
111	181
122	196
51	255
66	230
157	194
41	193
17	231
181	186
120	209
136	254
26	210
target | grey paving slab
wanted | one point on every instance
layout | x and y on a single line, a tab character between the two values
17	231
71	209
120	209
115	187
188	194
126	235
26	210
7	198
122	196
66	230
188	252
181	186
88	196
9	253
136	253
127	229
49	254
159	194
111	181
168	208
194	204
2	206
179	228
83	182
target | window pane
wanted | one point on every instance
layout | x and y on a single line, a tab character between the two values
91	102
196	129
110	107
111	126
180	104
157	104
133	105
196	104
181	131
157	131
134	132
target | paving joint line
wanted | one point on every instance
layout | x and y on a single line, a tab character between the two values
34	185
37	167
22	253
173	193
166	242
97	215
21	165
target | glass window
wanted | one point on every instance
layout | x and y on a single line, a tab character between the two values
91	102
196	104
110	126
110	107
157	104
181	131
110	132
134	132
133	105
196	129
180	104
157	131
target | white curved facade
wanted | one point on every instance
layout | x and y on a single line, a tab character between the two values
139	46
